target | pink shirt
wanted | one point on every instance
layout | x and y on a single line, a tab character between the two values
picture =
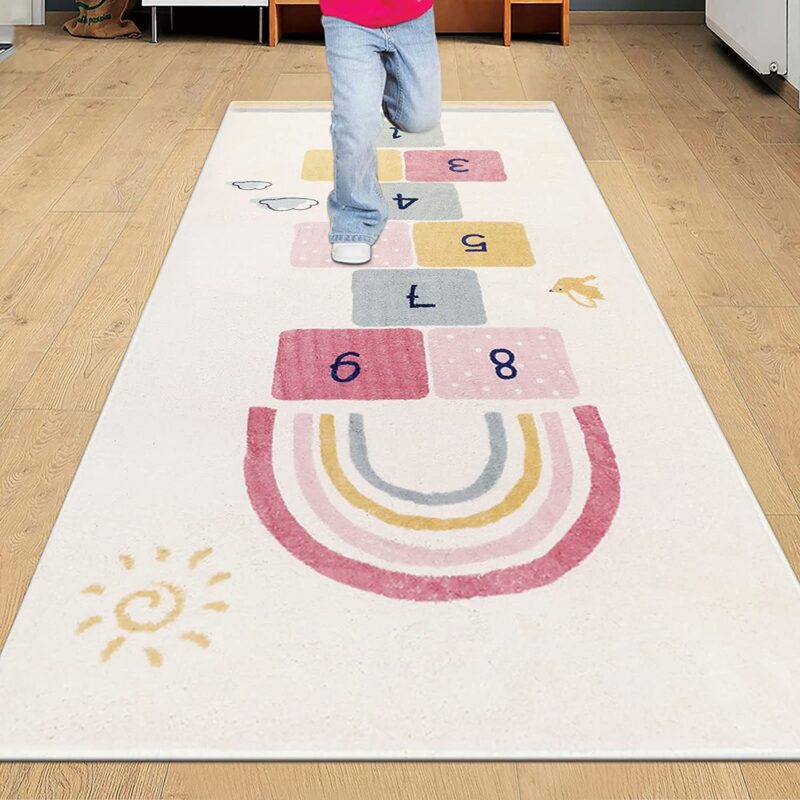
375	13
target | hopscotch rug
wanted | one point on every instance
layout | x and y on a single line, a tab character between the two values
466	501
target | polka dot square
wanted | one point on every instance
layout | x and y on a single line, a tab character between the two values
311	247
500	364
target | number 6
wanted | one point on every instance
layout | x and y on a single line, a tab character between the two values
340	362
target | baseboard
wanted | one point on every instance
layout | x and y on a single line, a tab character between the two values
782	87
637	17
58	18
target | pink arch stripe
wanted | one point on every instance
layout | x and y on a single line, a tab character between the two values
524	537
581	539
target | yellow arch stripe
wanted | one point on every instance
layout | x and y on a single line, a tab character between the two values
518	494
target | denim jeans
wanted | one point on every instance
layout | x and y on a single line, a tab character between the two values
393	70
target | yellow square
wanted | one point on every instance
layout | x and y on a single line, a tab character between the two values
472	244
318	165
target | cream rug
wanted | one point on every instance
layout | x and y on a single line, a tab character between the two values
467	502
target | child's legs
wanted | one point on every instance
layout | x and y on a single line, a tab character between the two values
412	96
356	205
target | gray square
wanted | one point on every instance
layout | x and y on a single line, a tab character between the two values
412	201
394	137
387	298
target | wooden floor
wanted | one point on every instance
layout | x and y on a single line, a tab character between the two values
100	145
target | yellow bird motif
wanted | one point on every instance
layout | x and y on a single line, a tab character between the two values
575	288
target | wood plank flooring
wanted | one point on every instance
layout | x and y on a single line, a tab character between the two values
100	145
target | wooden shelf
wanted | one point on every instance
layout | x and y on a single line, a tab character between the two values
275	16
452	16
508	5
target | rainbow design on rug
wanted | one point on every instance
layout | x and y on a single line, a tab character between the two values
582	535
515	525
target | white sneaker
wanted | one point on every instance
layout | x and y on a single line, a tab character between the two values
351	252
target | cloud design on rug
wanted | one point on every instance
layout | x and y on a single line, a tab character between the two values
249	186
288	203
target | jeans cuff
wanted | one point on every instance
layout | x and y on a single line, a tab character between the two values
353	237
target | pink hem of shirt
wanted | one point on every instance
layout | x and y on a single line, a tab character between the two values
375	13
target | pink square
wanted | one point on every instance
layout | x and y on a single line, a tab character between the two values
454	165
312	249
500	363
340	364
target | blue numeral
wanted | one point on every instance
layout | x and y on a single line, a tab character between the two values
499	366
412	298
474	247
404	202
340	362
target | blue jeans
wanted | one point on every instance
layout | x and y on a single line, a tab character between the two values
395	69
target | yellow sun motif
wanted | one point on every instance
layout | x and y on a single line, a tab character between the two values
168	599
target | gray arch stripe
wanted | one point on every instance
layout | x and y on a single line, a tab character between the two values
498	452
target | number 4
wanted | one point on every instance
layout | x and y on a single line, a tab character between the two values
404	202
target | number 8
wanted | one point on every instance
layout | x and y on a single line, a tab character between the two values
499	366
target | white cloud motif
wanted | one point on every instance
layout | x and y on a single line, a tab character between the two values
288	203
249	186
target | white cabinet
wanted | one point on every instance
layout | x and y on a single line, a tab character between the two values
154	5
6	41
757	31
21	12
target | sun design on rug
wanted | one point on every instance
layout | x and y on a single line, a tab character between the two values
138	615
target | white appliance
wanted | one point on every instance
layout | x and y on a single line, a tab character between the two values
758	30
21	12
154	5
6	41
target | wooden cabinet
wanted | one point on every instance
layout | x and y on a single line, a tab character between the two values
452	16
508	7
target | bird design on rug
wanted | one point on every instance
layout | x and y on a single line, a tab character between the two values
576	288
